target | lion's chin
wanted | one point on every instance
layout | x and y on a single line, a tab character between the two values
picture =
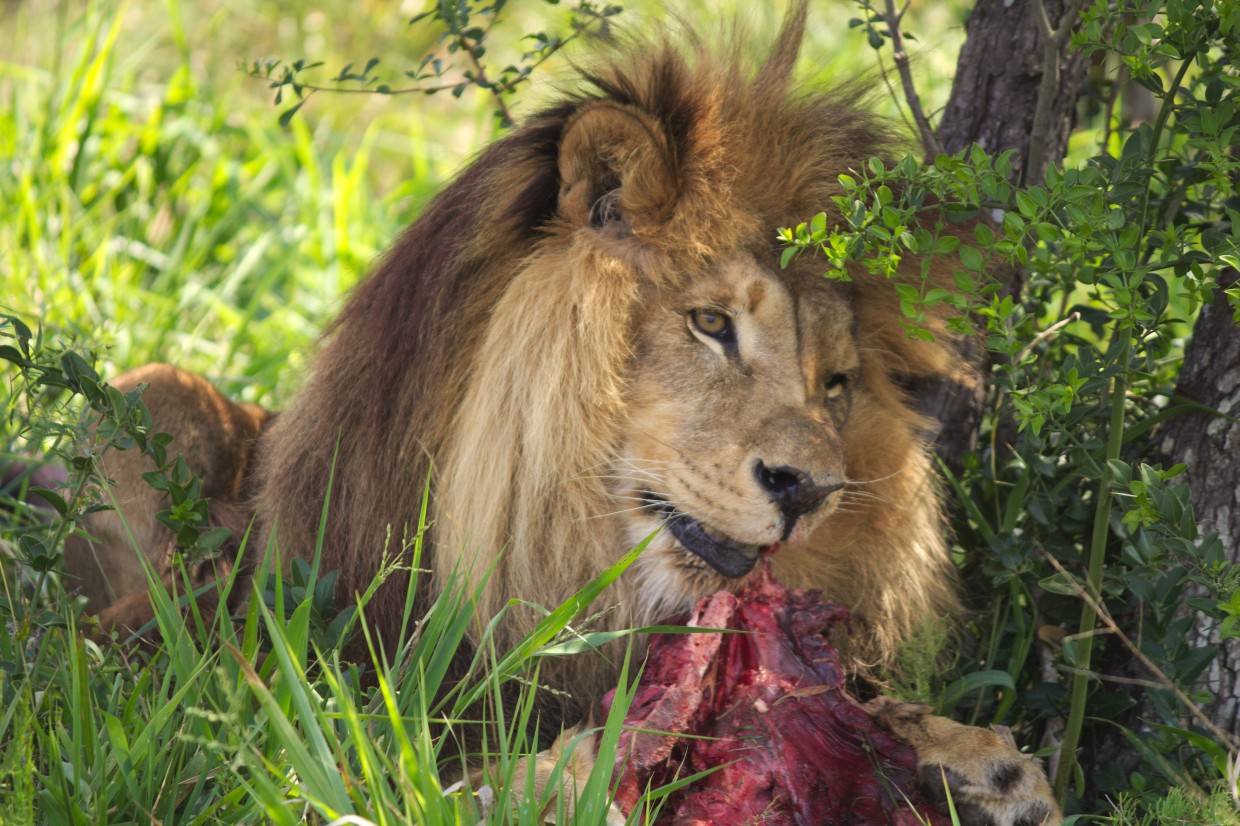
726	555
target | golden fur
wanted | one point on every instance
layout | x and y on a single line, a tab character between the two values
216	437
989	780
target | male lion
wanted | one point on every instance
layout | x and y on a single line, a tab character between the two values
587	336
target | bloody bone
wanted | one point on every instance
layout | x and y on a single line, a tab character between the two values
793	746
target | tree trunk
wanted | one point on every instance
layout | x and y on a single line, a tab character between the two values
1210	446
994	103
995	93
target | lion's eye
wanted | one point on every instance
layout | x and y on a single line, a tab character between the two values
835	384
711	323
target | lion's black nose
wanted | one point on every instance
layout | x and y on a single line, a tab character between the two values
793	491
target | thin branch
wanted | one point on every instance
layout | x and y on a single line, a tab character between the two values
928	141
496	89
1109	678
1045	334
482	80
341	90
891	90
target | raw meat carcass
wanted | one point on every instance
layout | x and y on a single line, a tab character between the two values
766	707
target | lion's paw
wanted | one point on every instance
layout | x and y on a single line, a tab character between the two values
569	761
989	781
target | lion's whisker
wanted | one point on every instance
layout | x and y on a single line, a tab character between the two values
858	497
614	513
623	478
878	479
861	494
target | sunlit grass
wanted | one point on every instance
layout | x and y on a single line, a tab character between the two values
247	713
159	223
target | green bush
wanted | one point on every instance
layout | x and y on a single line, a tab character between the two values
1080	549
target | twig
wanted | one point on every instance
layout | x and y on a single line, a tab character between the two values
1108	678
928	141
1045	334
481	79
497	90
891	90
406	90
1164	681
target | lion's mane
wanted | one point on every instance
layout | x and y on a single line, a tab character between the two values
489	349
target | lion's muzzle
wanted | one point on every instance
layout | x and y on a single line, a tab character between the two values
793	491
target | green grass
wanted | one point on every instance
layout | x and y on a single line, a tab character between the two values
253	720
161	221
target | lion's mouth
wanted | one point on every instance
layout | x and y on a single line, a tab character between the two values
726	555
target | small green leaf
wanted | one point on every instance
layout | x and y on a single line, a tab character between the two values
971	258
212	538
52	498
286	116
946	244
156	479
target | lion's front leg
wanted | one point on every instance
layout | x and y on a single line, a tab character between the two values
990	782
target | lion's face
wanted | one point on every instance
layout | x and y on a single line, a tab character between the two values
741	387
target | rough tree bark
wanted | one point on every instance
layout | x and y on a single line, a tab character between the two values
994	102
999	78
1210	446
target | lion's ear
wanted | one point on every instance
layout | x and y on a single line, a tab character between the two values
616	164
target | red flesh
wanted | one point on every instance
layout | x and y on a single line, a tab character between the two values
800	749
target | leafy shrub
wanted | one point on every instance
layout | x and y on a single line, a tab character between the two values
1079	546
